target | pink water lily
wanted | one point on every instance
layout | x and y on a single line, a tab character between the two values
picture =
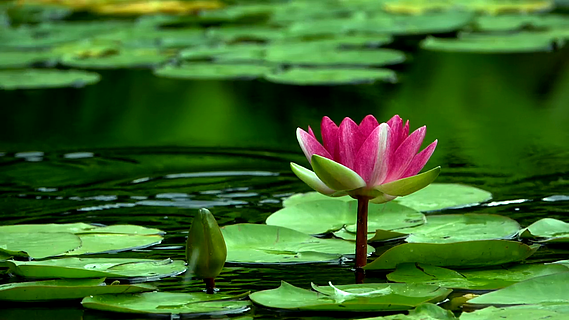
372	160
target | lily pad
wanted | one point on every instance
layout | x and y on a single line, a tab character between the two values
322	216
330	76
124	59
40	241
468	254
545	289
517	21
439	196
67	289
113	242
18	59
77	268
325	56
45	78
489	279
37	245
552	229
168	303
311	196
402	297
493	43
527	312
210	71
462	227
257	243
426	311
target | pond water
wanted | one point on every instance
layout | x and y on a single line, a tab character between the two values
151	151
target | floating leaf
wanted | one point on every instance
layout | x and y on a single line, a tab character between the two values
467	254
75	268
493	43
210	71
526	312
491	7
462	227
439	196
552	229
80	228
325	56
124	59
517	21
37	245
251	52
113	242
403	297
321	216
545	289
168	303
155	6
330	76
257	243
426	311
45	78
245	33
18	59
471	279
67	289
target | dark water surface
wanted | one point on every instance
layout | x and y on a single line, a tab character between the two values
151	151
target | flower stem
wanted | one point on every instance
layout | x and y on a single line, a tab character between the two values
209	285
361	238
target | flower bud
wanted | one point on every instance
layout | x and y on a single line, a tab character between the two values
205	249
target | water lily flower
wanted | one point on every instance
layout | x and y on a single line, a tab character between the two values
372	160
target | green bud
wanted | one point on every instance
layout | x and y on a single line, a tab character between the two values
205	250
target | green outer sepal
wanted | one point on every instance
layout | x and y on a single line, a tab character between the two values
403	187
311	179
206	251
335	175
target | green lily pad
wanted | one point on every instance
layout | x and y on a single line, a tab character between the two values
439	196
67	289
246	33
434	197
527	312
359	297
322	216
113	242
123	59
462	227
552	229
377	236
210	71
468	254
471	279
426	311
330	76
225	53
19	59
37	245
258	243
545	289
168	303
493	43
76	268
45	78
508	22
324	56
39	241
79	228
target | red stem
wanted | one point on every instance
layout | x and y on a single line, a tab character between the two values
209	285
361	238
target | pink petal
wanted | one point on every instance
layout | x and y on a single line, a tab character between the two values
348	142
399	161
330	137
420	160
310	145
371	160
368	124
396	126
311	132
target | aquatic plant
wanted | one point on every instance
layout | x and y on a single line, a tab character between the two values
370	162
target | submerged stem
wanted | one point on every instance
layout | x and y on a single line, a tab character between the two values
361	238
